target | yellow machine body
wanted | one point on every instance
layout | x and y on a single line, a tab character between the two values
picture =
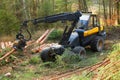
92	31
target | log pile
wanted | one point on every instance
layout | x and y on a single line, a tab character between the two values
4	45
40	41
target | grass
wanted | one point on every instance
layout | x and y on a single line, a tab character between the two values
78	77
116	76
55	35
3	62
107	70
34	60
35	68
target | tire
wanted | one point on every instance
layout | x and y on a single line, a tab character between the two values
46	55
81	51
97	44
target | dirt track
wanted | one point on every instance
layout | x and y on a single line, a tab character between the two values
76	71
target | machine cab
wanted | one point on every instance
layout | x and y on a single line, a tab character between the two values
87	21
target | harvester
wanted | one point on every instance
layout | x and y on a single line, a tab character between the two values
85	30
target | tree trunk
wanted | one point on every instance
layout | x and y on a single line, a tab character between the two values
66	5
79	4
34	11
53	3
110	13
85	6
110	5
104	9
25	10
118	11
99	6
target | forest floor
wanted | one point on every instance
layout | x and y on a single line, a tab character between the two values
30	67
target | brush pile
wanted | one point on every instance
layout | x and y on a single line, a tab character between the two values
111	68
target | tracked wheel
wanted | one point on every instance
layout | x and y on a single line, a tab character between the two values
97	44
81	51
46	55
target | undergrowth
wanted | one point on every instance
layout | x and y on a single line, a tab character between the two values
35	68
55	35
108	72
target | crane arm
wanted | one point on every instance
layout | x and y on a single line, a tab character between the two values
73	17
59	17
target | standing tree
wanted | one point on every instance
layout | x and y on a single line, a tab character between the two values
118	11
104	9
25	9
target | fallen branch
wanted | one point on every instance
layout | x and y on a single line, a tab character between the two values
79	71
93	68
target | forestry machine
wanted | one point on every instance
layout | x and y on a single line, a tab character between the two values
85	30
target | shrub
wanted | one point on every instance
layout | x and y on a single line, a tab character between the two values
55	35
8	22
34	60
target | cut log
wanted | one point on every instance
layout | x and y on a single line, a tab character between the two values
39	48
41	41
2	45
7	54
43	36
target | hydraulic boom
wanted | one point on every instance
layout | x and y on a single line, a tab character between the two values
72	17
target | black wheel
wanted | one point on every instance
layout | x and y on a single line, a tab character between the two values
97	44
47	55
81	51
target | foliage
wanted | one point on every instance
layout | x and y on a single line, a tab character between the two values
12	12
46	8
111	70
11	58
55	35
116	76
34	60
80	77
8	23
69	57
